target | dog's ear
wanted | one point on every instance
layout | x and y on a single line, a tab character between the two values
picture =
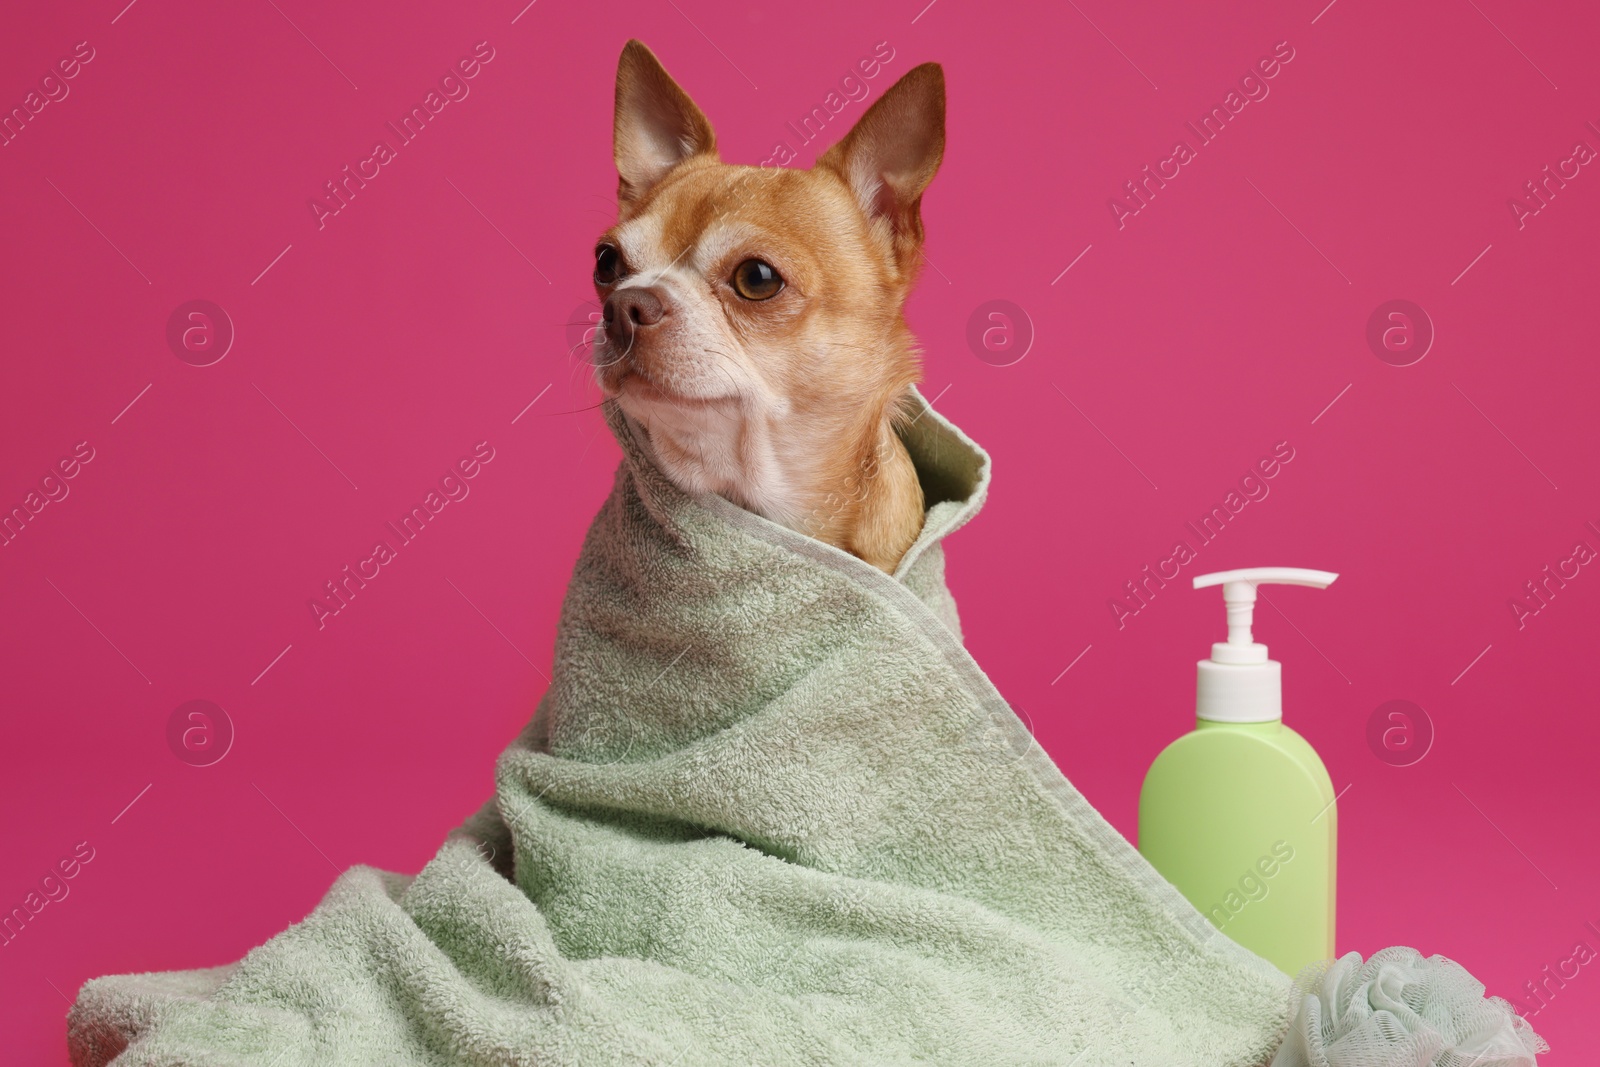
656	126
892	153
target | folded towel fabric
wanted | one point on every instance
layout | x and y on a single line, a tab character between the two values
769	811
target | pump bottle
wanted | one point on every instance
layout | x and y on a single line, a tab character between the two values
1240	814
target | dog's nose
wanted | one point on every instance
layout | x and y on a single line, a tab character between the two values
632	308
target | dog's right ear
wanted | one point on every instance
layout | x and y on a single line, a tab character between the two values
656	127
891	155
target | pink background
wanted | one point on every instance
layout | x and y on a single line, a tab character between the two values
374	352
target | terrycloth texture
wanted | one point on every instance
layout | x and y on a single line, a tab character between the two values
1398	1009
769	812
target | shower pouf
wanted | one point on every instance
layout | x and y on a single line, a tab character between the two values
1398	1007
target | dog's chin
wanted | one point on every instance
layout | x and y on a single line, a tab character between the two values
632	389
635	389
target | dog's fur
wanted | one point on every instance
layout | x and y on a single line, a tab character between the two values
787	406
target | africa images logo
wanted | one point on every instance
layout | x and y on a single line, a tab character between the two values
452	487
453	88
1253	86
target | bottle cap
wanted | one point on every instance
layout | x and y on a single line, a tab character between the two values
1239	683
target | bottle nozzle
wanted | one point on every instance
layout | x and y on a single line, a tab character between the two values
1244	697
1239	594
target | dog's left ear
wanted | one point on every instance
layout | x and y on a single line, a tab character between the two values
893	152
656	125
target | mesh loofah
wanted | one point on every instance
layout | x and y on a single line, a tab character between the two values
1401	1010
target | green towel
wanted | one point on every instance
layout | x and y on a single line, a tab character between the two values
769	812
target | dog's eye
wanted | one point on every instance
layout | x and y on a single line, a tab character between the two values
756	280
607	264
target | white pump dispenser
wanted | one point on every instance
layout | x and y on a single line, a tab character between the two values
1239	683
1243	782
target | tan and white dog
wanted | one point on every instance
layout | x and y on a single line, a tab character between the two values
753	316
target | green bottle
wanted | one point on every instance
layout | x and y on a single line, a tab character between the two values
1240	815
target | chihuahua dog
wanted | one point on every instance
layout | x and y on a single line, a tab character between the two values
754	317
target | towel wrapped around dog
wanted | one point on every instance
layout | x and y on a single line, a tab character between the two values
768	812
